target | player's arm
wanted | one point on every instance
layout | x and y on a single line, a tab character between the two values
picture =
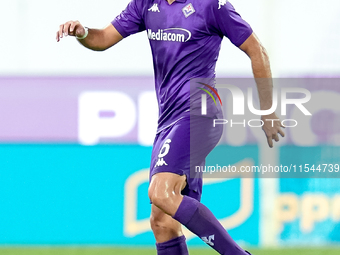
263	77
97	39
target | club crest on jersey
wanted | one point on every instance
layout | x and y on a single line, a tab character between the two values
163	152
188	10
154	8
221	3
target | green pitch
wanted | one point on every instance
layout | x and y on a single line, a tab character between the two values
143	251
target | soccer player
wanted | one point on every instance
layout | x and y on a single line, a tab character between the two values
185	38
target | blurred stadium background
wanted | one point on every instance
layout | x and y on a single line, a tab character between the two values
74	163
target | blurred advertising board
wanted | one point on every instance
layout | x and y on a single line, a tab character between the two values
75	153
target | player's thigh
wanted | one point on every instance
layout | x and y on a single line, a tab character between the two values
166	182
164	226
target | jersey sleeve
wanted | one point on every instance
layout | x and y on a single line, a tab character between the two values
130	21
226	21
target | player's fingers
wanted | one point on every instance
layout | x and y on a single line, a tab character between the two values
61	31
72	27
281	125
281	132
66	28
57	37
270	141
276	138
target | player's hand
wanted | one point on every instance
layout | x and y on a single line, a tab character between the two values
72	28
272	128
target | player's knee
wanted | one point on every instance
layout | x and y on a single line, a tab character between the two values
165	191
159	197
163	199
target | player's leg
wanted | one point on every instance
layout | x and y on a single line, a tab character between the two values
168	233
165	193
164	226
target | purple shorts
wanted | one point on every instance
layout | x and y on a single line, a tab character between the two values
182	146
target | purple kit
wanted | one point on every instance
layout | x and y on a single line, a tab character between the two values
185	39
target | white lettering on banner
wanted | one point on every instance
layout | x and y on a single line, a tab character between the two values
147	117
91	127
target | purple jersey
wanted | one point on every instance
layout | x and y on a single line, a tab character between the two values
185	39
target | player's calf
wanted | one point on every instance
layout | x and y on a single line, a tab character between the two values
164	226
168	233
